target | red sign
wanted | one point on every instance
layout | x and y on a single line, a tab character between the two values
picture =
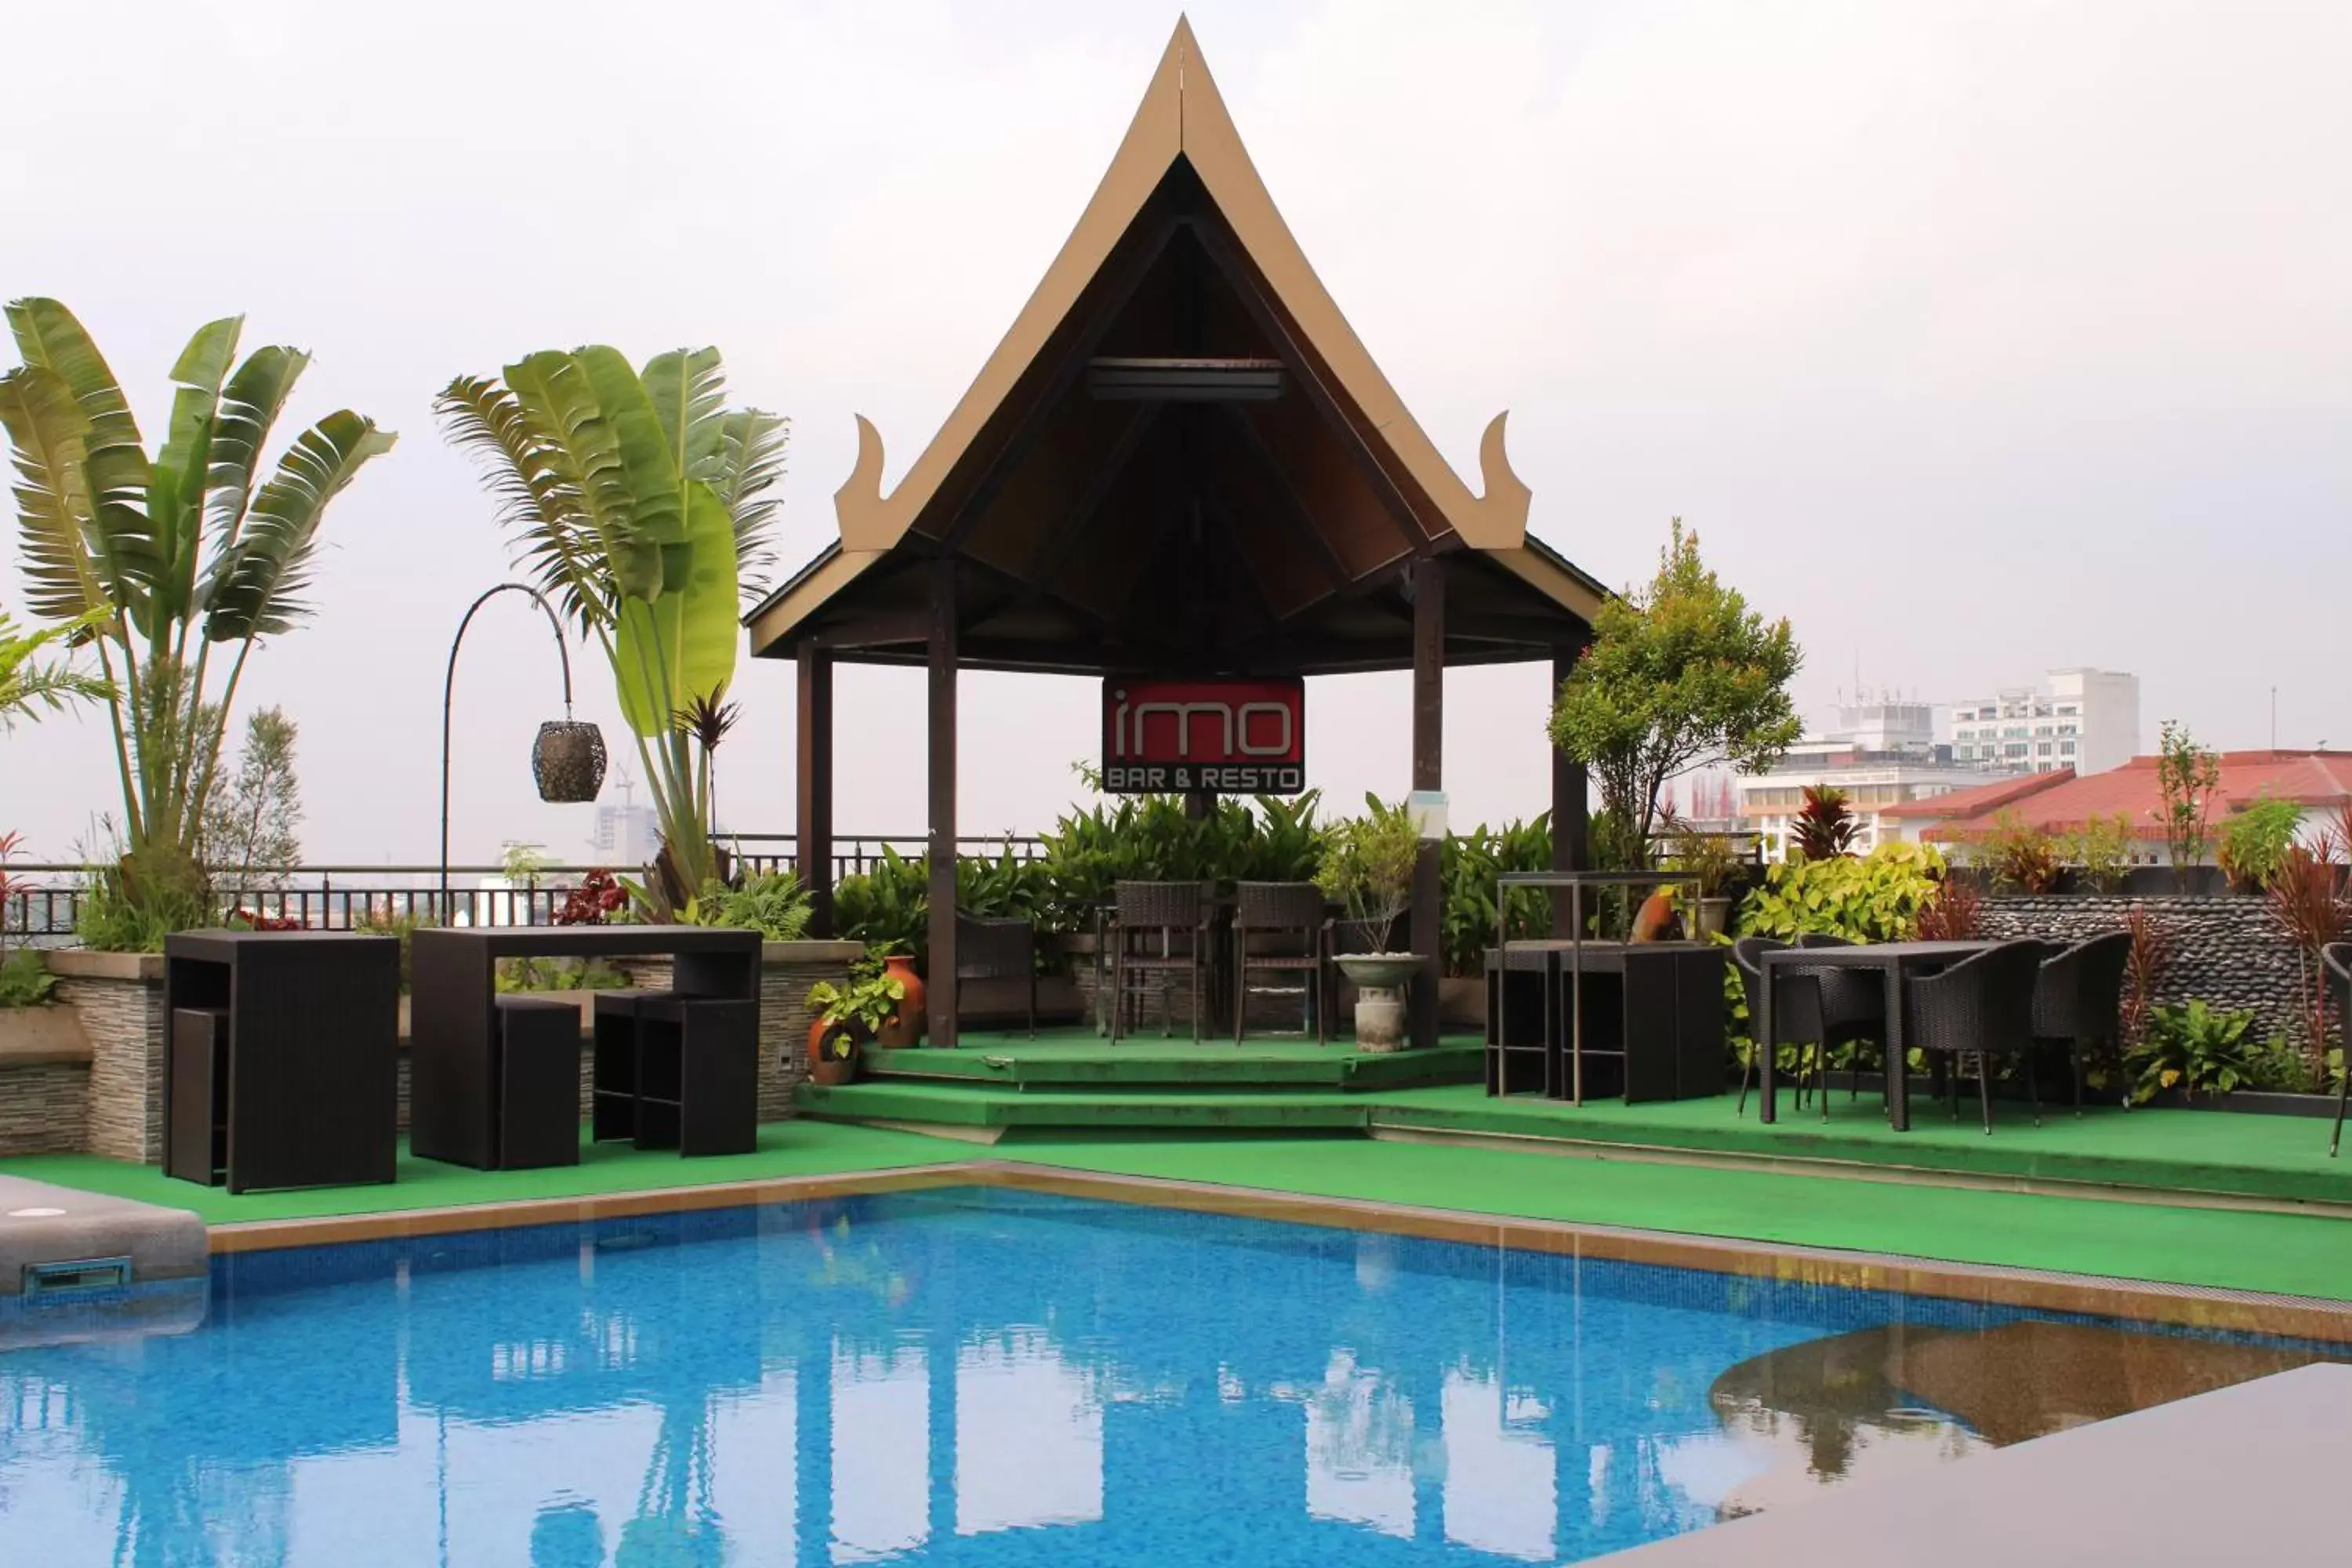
1229	737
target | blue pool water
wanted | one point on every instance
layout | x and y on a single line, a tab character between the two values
970	1376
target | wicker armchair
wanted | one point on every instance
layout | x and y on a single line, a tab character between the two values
2336	958
1295	935
997	948
1853	1009
2079	998
1157	928
1982	1006
1796	1008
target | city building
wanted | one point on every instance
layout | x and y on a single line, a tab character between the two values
2061	802
2086	720
627	835
1879	755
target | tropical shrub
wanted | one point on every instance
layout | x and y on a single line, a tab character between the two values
2100	851
173	567
25	979
2143	968
772	903
1823	827
1878	897
1956	913
2194	1049
2019	854
642	506
2255	842
1468	865
31	685
597	899
2309	901
1368	869
888	908
854	1010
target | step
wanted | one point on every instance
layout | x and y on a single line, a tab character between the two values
1155	1064
960	1105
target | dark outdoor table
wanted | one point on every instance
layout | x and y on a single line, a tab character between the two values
1897	961
282	1065
453	1022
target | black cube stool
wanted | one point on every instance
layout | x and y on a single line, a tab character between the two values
538	1109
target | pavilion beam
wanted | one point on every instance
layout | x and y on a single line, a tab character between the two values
813	782
1292	509
1056	551
1572	824
940	981
1302	369
1428	773
1065	376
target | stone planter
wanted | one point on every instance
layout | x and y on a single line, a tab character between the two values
118	998
1714	917
43	1081
1383	982
787	969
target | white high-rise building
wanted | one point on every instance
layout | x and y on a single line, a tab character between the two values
627	835
2087	719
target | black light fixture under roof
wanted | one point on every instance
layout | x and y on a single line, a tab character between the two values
567	755
1184	379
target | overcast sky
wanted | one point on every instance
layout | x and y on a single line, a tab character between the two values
1975	337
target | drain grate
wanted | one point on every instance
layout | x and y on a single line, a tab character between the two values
76	1274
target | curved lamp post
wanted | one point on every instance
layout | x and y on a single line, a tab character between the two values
567	759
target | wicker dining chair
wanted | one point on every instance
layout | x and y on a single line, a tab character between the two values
2078	999
2335	958
1295	932
1854	1011
1796	1009
1157	929
999	947
1982	1006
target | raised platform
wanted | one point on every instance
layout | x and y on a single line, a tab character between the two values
1076	1090
1076	1059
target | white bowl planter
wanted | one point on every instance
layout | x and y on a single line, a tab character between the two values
1383	981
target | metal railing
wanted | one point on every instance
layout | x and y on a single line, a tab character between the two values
44	902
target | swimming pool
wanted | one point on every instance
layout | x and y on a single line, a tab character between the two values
980	1376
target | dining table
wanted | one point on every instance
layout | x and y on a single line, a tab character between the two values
1897	962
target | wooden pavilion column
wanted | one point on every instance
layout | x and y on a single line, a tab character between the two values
813	782
939	982
1428	773
1571	812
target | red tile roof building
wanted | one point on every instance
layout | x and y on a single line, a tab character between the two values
2061	802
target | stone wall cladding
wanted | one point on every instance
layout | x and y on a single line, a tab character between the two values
2227	952
44	1108
124	1021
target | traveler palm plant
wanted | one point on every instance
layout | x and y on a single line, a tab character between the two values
171	567
643	506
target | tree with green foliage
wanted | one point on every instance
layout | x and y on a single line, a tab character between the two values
158	563
643	506
253	823
1681	673
2188	776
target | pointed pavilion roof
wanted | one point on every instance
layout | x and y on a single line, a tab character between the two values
1180	455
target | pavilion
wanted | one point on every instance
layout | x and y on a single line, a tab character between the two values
1180	462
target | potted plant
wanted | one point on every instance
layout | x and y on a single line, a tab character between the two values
1368	868
847	1014
1710	858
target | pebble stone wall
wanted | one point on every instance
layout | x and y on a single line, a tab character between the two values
2226	951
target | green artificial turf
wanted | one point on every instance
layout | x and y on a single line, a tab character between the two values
2290	1254
796	1148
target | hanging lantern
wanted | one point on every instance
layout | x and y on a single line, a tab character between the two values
568	761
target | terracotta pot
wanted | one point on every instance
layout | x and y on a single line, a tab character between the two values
904	1027
824	1070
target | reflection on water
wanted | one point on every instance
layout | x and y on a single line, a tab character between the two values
995	1378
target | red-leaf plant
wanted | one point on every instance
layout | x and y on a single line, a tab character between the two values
2151	955
2306	899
